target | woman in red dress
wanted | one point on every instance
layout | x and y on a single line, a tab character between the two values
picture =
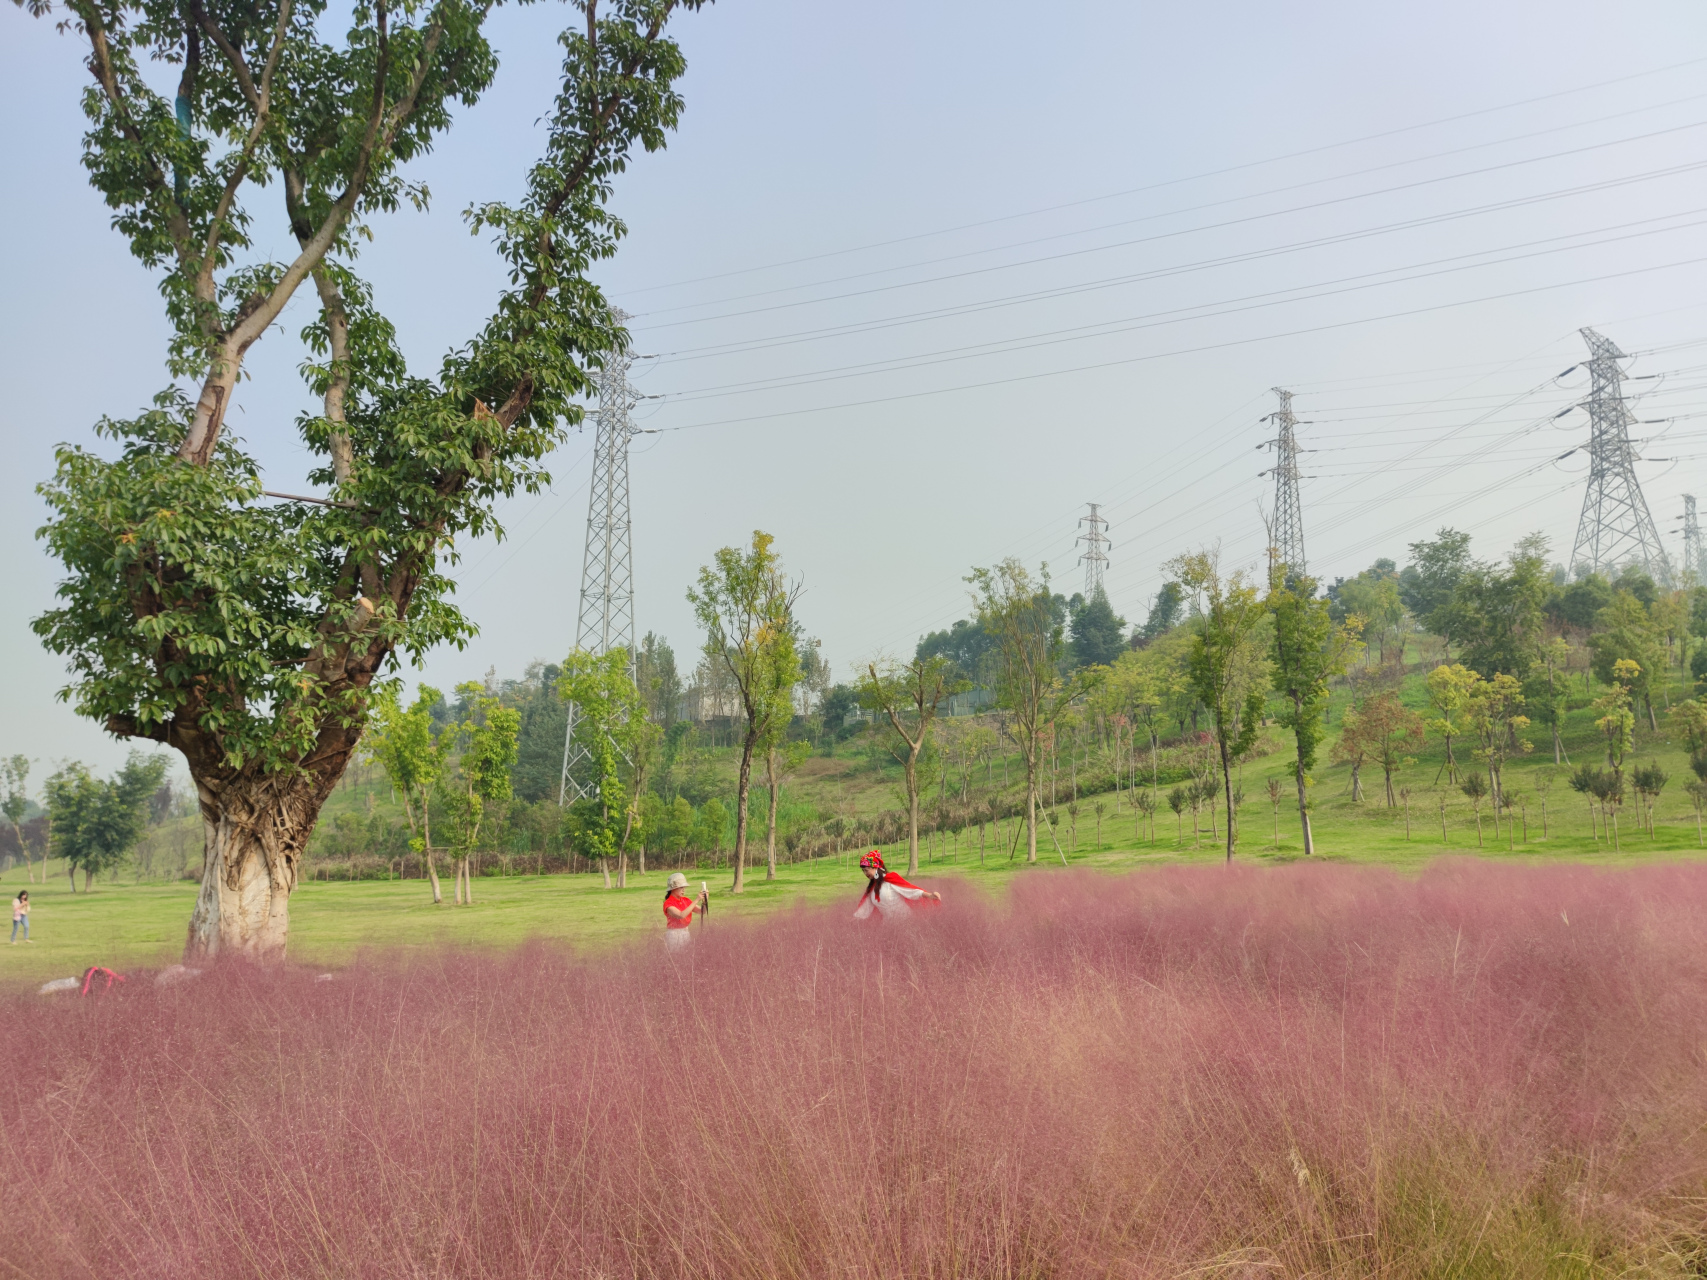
887	892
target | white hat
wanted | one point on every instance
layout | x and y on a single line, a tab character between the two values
676	881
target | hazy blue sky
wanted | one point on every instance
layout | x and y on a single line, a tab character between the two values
923	279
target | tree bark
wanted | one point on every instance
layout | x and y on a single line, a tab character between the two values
742	787
1031	799
1227	786
770	818
256	830
1303	802
912	767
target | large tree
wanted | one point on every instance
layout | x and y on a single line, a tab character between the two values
248	633
746	605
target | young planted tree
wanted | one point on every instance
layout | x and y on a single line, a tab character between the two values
1020	616
746	606
403	743
92	824
247	634
1227	667
15	802
1143	683
907	695
1306	650
1452	692
611	722
1385	730
482	784
1495	712
1617	722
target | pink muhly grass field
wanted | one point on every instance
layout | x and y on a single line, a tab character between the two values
1480	1071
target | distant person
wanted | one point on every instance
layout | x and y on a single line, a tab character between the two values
888	892
21	915
678	911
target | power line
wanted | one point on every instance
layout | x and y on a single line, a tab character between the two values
748	419
1181	315
1172	182
1184	231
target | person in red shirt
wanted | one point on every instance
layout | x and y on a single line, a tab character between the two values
887	892
678	910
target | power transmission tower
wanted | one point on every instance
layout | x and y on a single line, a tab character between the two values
1692	558
1097	547
1615	527
1286	529
607	565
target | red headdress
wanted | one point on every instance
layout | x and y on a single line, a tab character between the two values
873	859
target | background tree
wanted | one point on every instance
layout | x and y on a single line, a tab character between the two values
1428	582
1142	683
482	785
1374	597
659	681
746	606
1628	634
611	720
1020	615
15	802
1097	635
1384	729
1227	666
244	633
1545	692
1305	652
403	743
1167	610
907	695
93	824
1496	613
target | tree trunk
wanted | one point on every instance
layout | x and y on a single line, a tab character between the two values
912	766
1392	800
468	879
256	830
1356	780
456	865
1304	812
621	874
1030	811
770	818
1227	784
742	787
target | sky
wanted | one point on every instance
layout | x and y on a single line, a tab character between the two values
917	282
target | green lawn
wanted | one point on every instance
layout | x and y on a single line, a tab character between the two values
142	924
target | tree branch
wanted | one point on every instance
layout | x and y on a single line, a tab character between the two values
261	101
101	67
199	441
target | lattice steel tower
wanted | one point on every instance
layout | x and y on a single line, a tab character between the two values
1692	556
607	565
1097	547
1288	524
1615	527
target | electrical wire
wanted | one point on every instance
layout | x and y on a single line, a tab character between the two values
1172	182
